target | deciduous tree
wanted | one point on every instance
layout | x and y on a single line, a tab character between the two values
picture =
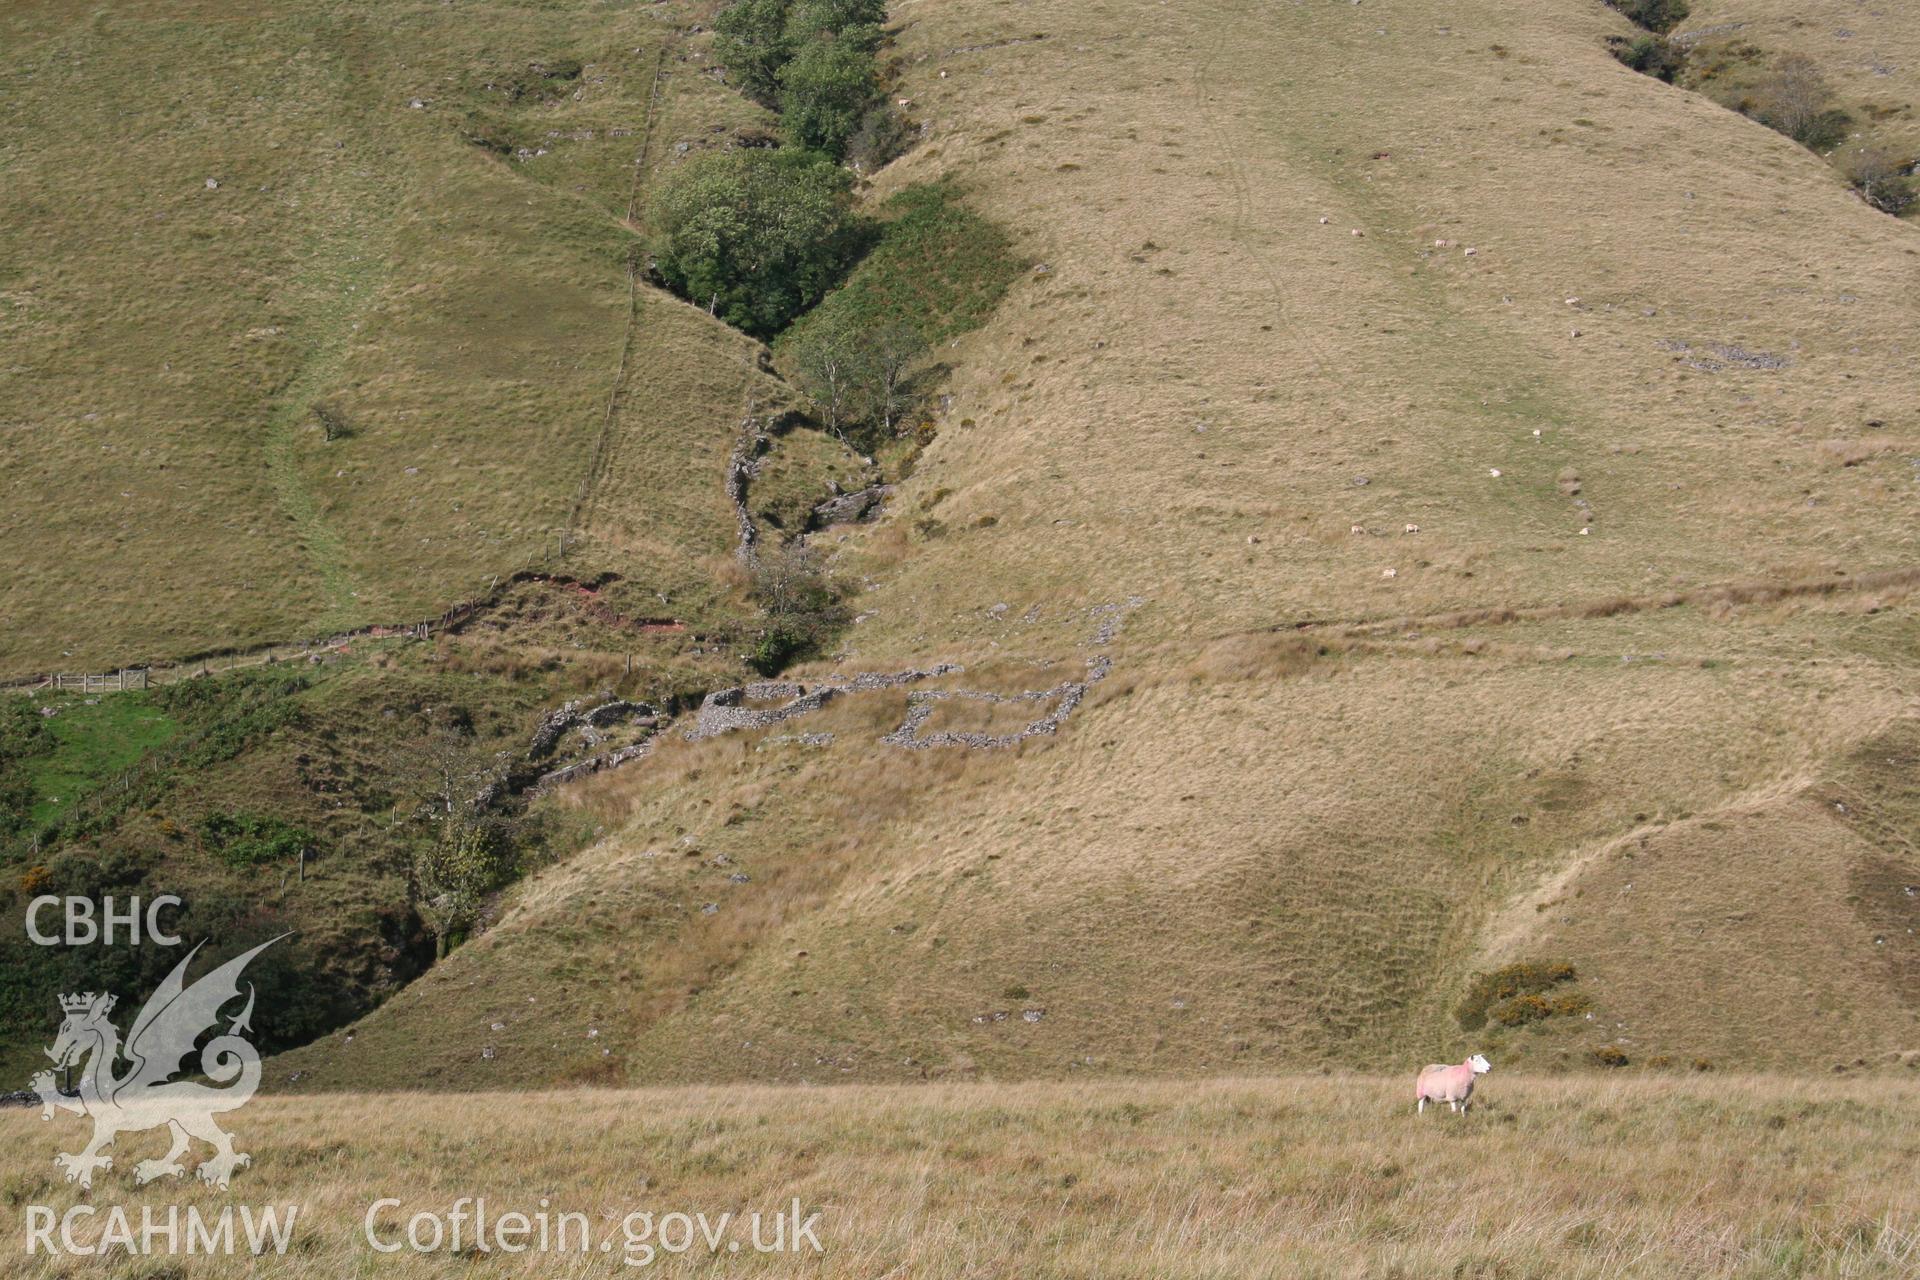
755	236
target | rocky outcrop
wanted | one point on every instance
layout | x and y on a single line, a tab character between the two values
620	711
848	508
741	468
556	722
587	714
592	765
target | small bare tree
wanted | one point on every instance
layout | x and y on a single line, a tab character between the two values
470	849
895	347
832	359
456	771
801	605
1796	99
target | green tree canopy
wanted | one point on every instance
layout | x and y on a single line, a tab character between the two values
824	93
855	367
832	361
858	21
750	38
756	236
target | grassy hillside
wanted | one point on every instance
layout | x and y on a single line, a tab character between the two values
1452	494
402	226
1733	1177
1379	718
1870	55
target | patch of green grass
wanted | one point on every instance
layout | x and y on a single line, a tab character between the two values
94	739
938	266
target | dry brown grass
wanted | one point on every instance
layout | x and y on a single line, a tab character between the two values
1180	899
1852	453
1723	599
1227	862
1870	55
1578	1177
170	489
1192	285
1241	854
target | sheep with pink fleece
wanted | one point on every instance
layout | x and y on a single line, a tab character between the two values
1452	1085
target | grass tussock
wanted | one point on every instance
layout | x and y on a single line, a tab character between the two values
1853	452
1256	656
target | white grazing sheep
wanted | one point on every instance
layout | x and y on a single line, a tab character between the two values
1452	1085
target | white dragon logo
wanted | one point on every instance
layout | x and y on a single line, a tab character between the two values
146	1096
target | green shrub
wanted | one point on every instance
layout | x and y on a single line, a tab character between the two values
825	92
1651	55
884	136
1503	986
1795	99
801	606
828	360
249	839
1535	1007
859	20
750	39
1608	1055
476	853
756	236
17	796
23	735
775	647
756	40
23	730
856	369
1883	182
